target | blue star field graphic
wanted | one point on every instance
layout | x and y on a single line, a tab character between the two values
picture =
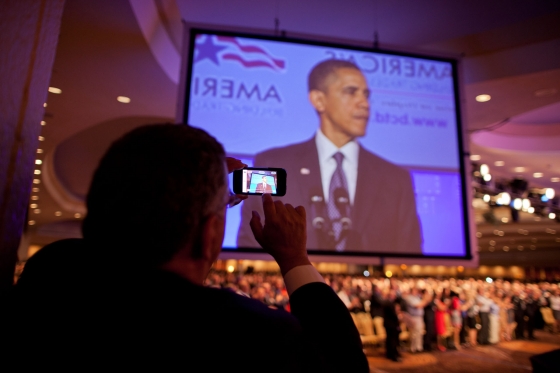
208	50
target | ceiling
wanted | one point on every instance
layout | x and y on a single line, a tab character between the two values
509	49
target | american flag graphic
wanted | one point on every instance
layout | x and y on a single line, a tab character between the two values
231	49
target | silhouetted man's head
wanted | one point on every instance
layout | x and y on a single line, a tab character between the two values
153	191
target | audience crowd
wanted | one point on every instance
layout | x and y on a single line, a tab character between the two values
438	313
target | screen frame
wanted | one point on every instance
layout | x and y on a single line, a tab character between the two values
471	255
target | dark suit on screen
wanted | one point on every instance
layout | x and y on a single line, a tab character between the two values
383	215
263	188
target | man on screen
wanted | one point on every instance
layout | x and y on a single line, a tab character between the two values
263	187
356	200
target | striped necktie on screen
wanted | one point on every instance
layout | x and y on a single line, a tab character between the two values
338	206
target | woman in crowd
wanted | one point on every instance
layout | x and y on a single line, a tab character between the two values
441	309
508	318
472	313
456	319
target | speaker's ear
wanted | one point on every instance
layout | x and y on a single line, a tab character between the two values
317	99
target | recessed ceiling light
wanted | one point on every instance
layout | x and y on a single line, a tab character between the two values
36	181
555	179
475	157
519	169
39	151
41	138
483	98
123	99
33	205
31	222
38	161
43	123
499	163
37	211
552	215
34	198
77	215
45	104
538	175
37	172
55	90
58	213
35	190
546	92
487	177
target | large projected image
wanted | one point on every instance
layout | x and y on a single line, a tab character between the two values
369	140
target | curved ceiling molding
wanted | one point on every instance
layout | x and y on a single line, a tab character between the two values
536	142
65	199
156	34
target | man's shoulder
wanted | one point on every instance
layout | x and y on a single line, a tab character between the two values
380	164
288	150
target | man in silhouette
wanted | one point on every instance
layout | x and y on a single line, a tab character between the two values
155	226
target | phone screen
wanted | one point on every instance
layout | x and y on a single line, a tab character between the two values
260	180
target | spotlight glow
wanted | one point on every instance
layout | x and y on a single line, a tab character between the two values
123	99
538	175
475	157
549	193
486	198
483	98
506	198
55	90
499	163
487	177
484	169
526	204
517	203
552	215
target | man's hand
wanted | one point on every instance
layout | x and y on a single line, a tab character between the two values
232	165
284	234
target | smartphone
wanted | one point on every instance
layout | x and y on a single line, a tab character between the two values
256	181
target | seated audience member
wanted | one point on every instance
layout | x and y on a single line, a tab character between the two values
155	225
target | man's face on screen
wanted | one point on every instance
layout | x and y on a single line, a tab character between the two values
346	105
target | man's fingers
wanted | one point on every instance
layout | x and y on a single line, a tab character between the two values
301	212
234	164
268	206
256	226
280	208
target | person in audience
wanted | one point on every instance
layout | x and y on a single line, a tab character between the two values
456	318
472	314
508	318
494	318
484	312
391	322
376	302
519	305
442	306
531	309
155	226
554	301
429	321
414	318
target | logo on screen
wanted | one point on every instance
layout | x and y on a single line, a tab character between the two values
231	49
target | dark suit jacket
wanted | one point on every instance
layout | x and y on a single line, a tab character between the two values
383	217
261	189
113	316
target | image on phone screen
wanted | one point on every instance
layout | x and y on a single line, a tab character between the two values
257	181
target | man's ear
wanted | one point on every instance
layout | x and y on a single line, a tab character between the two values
211	238
317	99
